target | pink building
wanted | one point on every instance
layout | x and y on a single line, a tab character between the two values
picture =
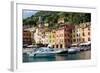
63	36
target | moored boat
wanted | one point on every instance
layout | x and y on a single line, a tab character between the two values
73	50
43	52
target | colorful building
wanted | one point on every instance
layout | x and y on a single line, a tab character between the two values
81	34
38	35
63	36
40	32
76	35
46	38
85	33
32	30
27	40
52	38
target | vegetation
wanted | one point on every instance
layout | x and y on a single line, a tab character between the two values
52	18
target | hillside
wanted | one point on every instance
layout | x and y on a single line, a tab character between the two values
52	18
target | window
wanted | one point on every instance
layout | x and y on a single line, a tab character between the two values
74	40
89	39
68	35
88	33
83	34
69	40
77	35
60	45
53	46
65	35
88	28
83	39
73	35
56	46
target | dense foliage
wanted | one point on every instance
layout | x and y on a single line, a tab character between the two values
52	18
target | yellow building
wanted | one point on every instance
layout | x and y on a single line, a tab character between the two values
52	38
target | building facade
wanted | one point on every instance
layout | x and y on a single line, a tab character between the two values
81	34
85	33
46	38
27	40
52	38
76	35
38	36
63	36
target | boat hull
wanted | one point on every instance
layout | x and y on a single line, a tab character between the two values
44	55
62	52
72	51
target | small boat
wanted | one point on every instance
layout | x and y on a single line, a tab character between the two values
73	50
43	52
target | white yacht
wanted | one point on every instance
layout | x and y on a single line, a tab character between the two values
43	52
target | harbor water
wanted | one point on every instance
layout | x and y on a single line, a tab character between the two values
82	55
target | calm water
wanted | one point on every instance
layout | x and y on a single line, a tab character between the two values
76	56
